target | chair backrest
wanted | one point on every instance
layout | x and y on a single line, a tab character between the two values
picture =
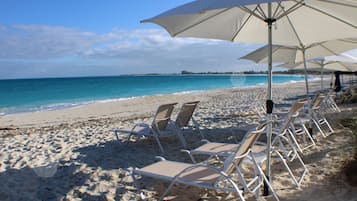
293	113
249	139
317	101
184	116
298	105
290	119
162	117
260	96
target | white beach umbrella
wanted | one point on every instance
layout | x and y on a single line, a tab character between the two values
295	54
344	57
322	65
296	22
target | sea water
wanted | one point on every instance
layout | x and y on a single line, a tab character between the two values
26	95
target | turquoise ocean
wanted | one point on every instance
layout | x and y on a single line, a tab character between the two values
27	95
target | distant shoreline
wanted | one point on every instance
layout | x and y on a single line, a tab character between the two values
280	73
128	108
23	96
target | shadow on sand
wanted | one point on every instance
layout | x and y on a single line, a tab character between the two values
35	184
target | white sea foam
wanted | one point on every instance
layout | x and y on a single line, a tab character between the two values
189	92
236	82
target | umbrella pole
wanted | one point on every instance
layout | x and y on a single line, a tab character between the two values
305	71
309	106
322	77
269	102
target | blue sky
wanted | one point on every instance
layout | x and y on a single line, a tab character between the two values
91	15
60	38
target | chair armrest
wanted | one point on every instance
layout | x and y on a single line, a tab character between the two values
160	158
205	141
189	154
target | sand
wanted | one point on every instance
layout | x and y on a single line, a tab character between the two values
72	154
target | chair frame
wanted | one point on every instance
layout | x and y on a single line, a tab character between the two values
283	154
231	164
157	127
183	119
318	118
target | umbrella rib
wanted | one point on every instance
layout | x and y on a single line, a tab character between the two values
330	15
349	41
251	13
339	3
342	64
276	10
290	10
201	21
261	11
328	49
292	26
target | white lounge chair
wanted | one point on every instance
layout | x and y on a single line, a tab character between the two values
184	117
283	146
318	117
297	129
330	103
206	176
158	126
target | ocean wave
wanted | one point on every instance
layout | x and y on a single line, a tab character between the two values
76	97
188	92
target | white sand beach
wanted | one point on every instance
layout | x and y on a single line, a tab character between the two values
72	154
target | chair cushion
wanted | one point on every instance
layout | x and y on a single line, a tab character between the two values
167	170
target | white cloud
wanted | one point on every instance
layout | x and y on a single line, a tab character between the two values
61	51
28	42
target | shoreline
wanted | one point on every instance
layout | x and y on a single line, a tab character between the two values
127	108
43	105
173	74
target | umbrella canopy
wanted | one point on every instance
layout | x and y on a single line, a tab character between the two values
323	64
343	58
293	54
298	53
296	22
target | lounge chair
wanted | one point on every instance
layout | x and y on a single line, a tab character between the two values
317	117
330	102
185	116
298	131
283	146
206	176
257	106
157	127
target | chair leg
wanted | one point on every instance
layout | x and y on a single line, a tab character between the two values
195	124
167	190
318	127
307	140
181	137
328	125
128	139
296	180
116	134
159	143
258	168
309	135
292	137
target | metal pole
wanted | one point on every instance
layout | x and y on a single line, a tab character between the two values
322	76
322	80
305	71
309	105
269	103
